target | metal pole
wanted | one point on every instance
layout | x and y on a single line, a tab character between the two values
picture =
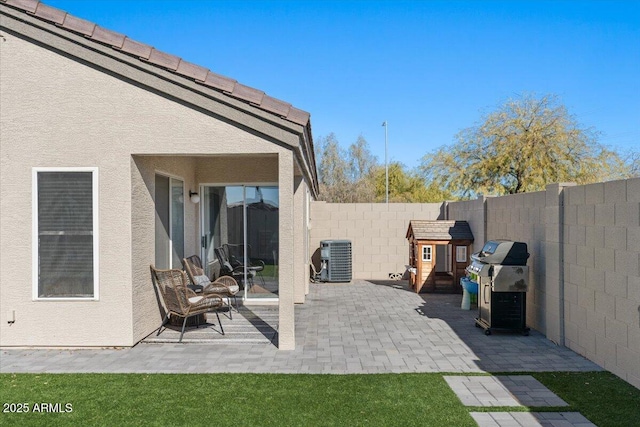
386	164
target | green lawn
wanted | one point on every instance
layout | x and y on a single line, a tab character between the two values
236	399
284	400
600	396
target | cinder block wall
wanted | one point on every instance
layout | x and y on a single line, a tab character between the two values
377	232
472	211
602	275
521	217
584	245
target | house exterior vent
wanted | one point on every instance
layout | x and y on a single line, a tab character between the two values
336	256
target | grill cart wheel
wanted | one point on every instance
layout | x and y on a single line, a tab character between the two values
487	331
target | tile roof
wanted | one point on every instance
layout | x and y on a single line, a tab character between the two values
161	59
439	230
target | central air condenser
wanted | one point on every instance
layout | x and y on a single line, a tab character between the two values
335	259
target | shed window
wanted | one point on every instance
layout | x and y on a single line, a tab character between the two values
461	254
426	253
65	258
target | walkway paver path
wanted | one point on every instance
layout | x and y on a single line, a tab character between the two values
359	327
502	390
515	391
531	419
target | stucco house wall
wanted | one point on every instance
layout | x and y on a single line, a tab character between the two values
59	111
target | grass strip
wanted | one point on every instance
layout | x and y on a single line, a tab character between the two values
602	397
235	399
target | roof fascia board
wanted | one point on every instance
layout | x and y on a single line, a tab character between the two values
307	172
308	160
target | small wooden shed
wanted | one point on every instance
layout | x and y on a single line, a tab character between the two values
439	252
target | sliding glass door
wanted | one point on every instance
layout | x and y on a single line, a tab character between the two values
242	222
169	201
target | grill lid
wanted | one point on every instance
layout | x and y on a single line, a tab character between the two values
503	252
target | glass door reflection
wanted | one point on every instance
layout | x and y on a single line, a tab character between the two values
241	223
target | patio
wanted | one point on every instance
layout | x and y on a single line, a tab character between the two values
361	327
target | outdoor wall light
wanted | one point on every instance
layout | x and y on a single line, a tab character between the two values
194	197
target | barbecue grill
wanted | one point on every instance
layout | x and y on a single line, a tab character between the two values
501	272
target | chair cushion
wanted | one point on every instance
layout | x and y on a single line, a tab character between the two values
227	266
194	300
201	280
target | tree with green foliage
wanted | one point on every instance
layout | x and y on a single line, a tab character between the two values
406	187
355	176
343	175
524	145
632	160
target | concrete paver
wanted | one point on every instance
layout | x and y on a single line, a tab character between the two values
531	419
502	390
360	327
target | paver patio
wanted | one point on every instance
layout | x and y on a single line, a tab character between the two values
361	327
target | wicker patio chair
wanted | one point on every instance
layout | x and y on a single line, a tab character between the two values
235	253
237	272
181	301
224	286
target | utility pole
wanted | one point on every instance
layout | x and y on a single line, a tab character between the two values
386	164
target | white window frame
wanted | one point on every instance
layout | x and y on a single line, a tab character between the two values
427	253
35	255
461	254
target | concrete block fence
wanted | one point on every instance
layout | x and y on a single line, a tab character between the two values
584	245
377	232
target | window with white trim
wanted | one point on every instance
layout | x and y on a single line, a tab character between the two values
426	253
65	233
461	254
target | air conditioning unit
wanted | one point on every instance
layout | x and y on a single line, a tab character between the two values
335	259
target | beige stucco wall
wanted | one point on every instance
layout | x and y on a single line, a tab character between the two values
377	232
57	112
301	241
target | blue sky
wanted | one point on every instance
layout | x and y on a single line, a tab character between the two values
429	68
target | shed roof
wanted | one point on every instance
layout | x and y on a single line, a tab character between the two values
443	230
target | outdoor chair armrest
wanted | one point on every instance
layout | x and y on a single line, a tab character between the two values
207	303
226	281
216	288
223	285
257	265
